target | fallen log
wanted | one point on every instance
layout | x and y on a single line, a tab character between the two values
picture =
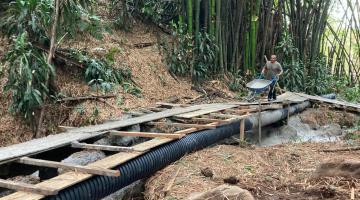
83	98
342	149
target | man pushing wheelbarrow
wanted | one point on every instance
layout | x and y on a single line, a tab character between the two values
271	71
268	78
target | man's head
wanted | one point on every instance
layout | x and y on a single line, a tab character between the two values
273	59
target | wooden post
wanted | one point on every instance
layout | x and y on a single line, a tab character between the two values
24	187
242	130
259	122
288	112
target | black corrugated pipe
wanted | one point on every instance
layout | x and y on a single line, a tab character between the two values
147	164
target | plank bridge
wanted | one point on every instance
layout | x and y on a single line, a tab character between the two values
189	119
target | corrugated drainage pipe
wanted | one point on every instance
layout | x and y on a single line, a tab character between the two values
147	164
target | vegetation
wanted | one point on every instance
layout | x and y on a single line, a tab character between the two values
210	39
34	24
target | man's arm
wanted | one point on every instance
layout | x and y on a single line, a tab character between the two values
280	69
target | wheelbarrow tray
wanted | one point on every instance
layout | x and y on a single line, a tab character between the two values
259	85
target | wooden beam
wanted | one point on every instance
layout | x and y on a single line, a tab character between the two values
24	187
170	105
101	147
146	134
14	152
77	168
191	130
230	116
184	125
241	112
203	119
71	178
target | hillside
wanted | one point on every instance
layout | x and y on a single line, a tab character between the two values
146	64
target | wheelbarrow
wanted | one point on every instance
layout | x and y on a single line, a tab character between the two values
258	86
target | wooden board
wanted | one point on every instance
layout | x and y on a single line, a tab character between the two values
13	185
79	134
101	147
66	166
146	134
206	109
355	107
70	178
292	98
181	125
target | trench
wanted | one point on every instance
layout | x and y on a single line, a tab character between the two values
147	164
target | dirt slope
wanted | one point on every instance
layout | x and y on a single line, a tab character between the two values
148	69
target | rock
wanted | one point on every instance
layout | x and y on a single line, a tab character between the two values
223	192
231	180
338	168
207	172
332	130
99	51
132	191
125	141
83	158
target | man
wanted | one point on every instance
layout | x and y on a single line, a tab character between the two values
271	71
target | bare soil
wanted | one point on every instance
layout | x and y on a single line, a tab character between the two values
279	172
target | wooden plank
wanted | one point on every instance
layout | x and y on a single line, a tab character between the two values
145	146
19	186
147	135
292	97
254	109
183	125
76	168
101	147
55	141
330	101
230	116
192	130
209	120
170	105
206	109
71	178
240	112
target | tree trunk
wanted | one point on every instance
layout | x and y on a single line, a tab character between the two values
49	61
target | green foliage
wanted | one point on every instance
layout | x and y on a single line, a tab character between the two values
205	55
101	74
184	54
28	72
318	78
35	18
122	13
345	90
179	56
157	11
293	77
236	85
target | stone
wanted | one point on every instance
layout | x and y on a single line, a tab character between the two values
83	158
223	192
332	130
338	168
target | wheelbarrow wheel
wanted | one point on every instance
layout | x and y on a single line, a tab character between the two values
250	97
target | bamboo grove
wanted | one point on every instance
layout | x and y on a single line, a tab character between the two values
299	32
224	39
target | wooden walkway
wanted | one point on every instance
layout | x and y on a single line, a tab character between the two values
193	118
